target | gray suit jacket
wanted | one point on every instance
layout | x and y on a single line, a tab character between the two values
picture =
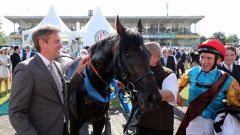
35	107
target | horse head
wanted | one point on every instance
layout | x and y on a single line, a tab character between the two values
133	60
124	57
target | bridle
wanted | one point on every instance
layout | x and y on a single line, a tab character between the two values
131	84
120	67
131	88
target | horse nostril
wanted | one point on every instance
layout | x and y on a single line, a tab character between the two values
150	98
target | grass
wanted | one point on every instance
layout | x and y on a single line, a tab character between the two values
114	103
4	93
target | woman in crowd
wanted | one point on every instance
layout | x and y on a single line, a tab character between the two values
4	64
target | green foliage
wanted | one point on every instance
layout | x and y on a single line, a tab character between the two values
202	39
219	36
2	39
233	40
2	35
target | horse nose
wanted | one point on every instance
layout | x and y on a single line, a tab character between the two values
150	98
154	99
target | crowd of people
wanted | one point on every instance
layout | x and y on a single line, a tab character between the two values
38	101
9	58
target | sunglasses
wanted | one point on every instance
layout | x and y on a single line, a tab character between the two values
200	85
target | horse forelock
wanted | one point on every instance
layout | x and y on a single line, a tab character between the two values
130	39
102	55
131	42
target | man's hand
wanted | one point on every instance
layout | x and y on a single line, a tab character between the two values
180	100
83	64
166	95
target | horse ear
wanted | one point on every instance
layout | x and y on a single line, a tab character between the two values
119	26
140	26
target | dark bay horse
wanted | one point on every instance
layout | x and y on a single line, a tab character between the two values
122	56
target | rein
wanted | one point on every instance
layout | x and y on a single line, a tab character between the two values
96	72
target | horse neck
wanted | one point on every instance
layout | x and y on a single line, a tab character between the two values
105	74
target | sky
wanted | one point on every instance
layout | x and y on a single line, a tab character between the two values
220	15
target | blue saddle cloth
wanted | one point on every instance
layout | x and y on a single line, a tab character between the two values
124	101
93	93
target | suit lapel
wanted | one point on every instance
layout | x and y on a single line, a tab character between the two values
45	70
234	71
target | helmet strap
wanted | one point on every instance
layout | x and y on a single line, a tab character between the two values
215	62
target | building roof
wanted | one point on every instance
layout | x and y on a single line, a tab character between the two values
111	19
96	29
53	19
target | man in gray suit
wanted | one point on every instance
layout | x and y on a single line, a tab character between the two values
38	99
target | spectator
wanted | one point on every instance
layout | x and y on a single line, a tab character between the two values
28	53
4	64
228	64
160	121
15	57
181	58
194	58
168	60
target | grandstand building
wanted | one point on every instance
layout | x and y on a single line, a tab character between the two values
172	31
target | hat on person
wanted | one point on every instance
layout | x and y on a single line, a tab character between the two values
4	48
213	46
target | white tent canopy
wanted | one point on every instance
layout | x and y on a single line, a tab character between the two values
96	29
51	18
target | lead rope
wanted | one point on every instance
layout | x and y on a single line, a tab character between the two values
106	123
134	109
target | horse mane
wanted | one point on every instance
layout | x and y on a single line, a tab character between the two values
110	40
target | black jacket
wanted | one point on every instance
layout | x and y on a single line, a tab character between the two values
170	63
235	71
15	59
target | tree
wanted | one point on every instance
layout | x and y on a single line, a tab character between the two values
202	38
219	36
233	40
2	36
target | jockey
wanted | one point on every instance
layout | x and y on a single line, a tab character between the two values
201	79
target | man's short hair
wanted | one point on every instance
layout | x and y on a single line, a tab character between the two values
164	49
230	47
154	48
43	33
27	46
15	48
